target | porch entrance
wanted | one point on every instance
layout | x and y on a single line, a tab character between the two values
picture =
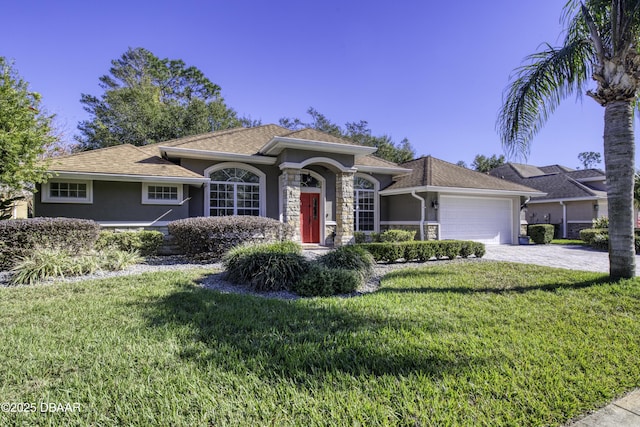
310	217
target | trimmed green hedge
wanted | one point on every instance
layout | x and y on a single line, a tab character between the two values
20	237
213	236
541	233
422	251
392	235
145	242
589	234
598	238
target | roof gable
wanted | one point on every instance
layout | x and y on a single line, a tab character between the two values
432	172
123	159
559	182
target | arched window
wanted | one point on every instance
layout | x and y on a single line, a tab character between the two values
364	202
234	191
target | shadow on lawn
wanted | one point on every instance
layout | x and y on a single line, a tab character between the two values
498	287
301	339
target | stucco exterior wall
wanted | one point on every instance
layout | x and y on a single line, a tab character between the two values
114	201
544	213
298	156
401	207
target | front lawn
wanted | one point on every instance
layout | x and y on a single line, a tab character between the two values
476	343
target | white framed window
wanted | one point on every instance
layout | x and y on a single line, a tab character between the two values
235	189
161	194
67	191
365	204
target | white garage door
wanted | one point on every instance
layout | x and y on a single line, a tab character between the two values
476	218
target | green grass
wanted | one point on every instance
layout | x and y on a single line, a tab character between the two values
568	242
477	343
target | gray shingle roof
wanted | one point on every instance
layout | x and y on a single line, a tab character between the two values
147	160
119	160
559	182
433	172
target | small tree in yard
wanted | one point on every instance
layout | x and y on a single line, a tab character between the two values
25	134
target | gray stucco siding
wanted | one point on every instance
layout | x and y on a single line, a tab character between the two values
401	207
114	201
299	156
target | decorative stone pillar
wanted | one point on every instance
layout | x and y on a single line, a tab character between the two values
344	209
291	200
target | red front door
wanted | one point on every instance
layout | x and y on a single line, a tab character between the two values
310	217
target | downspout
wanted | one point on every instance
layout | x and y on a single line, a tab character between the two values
523	206
423	204
564	220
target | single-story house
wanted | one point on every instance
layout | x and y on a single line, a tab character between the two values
573	197
324	186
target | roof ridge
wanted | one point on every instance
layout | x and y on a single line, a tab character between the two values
580	185
346	140
91	151
196	137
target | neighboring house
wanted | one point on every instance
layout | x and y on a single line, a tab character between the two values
324	186
573	197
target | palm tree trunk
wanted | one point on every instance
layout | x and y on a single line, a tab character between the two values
619	162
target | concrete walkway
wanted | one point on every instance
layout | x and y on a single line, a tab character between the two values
624	412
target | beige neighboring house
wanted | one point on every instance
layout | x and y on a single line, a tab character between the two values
574	198
324	186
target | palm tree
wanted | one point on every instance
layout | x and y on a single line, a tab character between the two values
601	42
636	190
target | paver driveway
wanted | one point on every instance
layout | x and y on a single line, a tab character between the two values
572	257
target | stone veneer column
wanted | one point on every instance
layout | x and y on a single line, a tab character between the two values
291	200
344	209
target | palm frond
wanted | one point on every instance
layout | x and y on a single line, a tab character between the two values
537	89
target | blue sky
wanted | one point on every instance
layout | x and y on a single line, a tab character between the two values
433	72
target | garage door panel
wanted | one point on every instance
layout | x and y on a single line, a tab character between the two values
484	220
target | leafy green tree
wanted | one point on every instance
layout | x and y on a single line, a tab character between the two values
485	164
25	135
601	42
462	164
357	132
589	159
147	99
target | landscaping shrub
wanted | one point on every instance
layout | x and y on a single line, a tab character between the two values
423	250
384	252
323	281
451	249
541	233
146	242
44	263
359	237
600	242
20	237
466	248
411	252
397	236
354	258
479	249
266	267
213	236
598	238
602	222
587	235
